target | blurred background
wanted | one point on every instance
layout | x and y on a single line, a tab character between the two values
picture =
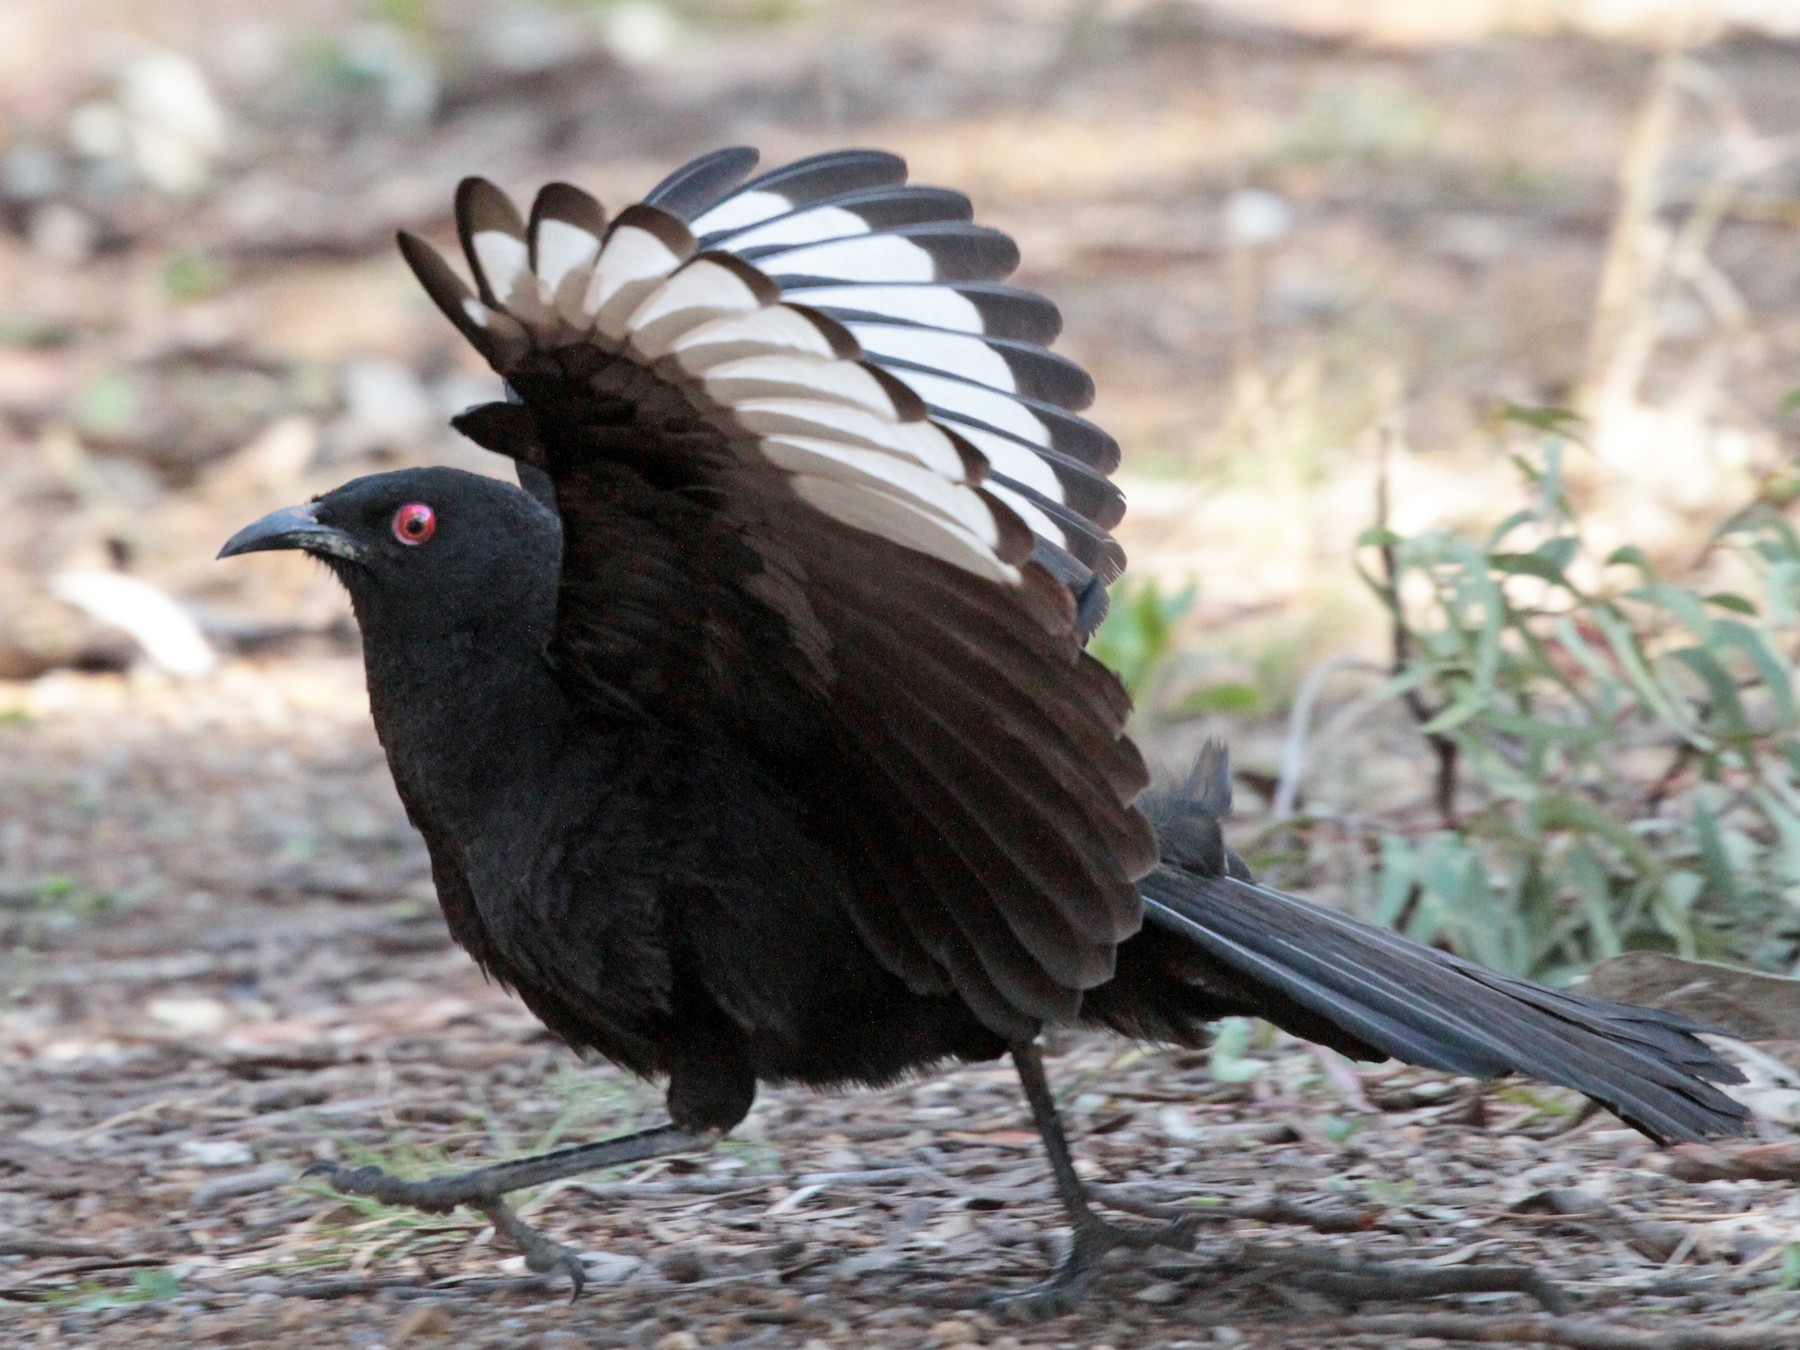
1453	346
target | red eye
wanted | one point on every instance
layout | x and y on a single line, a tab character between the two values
415	523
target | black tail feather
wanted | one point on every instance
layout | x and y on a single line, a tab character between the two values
1411	1002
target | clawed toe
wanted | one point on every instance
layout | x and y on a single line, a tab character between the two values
1177	1235
1062	1292
543	1255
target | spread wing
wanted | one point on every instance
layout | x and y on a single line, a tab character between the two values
825	489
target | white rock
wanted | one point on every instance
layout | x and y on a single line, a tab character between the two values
189	1013
167	633
217	1152
1255	216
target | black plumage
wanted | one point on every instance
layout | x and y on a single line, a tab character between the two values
758	744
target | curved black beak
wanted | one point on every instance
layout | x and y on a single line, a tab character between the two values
293	527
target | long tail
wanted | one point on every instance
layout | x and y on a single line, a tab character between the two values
1407	1001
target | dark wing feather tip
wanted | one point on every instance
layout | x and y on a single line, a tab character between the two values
667	227
832	173
569	205
702	183
481	207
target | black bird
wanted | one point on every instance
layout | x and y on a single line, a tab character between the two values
756	742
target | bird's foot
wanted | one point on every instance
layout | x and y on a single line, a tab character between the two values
440	1195
543	1255
1093	1238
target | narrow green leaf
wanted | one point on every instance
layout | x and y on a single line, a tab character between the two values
1772	668
1520	517
1680	602
1737	604
1554	421
1565	810
1528	564
1624	644
1466	705
1720	874
1394	885
1727	707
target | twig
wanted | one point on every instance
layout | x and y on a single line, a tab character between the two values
1355	1280
1657	1241
1273	1210
1750	1162
1293	746
1442	746
89	1267
400	1286
1685	754
735	1185
1531	1329
1378	1285
23	1244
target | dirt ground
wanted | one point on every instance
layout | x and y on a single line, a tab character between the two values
250	976
220	958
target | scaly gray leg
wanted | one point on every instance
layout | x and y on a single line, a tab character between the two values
1092	1237
485	1187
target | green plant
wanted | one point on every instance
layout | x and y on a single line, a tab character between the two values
151	1284
1137	637
190	274
1617	753
1228	1057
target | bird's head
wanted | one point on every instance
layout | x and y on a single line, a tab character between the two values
423	549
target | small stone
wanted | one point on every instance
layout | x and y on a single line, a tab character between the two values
267	1178
609	1267
217	1152
953	1332
679	1340
682	1267
1163	1292
63	234
427	1321
1255	216
195	1016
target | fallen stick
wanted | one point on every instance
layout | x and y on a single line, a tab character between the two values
1576	1333
1319	1218
1741	1162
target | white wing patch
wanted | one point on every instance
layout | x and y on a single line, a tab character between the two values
858	442
967	356
632	265
868	257
803	227
741	210
563	250
932	306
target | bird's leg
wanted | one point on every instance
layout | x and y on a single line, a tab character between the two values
484	1188
1092	1237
